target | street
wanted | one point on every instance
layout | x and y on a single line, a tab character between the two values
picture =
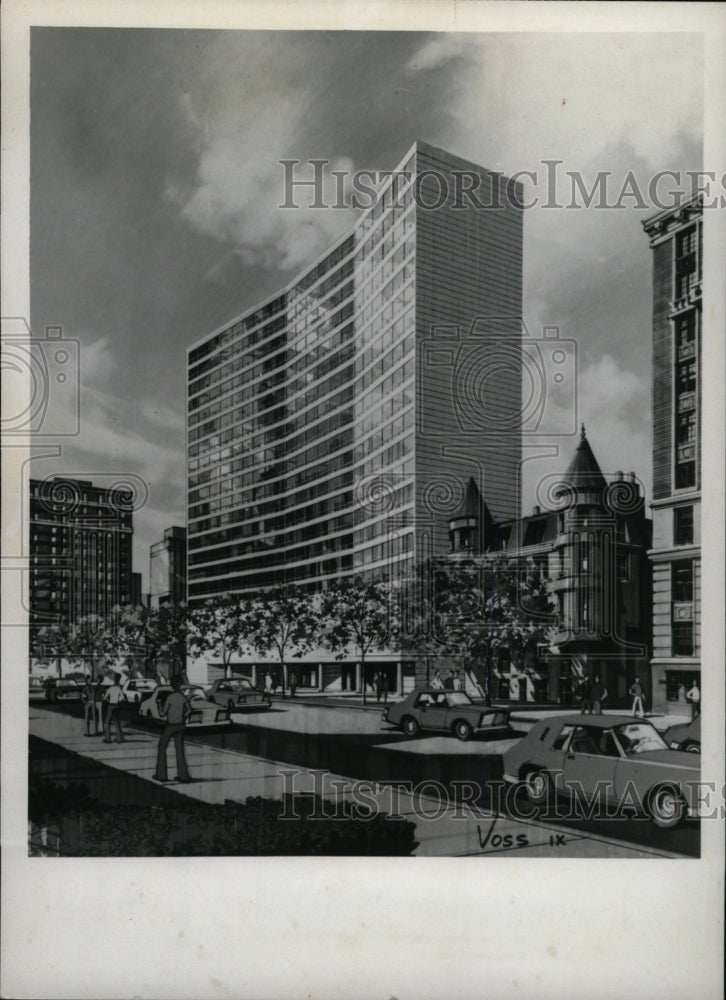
451	790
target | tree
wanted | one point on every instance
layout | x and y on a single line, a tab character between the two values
362	614
491	605
283	621
50	641
91	639
153	633
222	626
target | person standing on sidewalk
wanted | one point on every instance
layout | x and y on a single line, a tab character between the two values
176	710
89	697
585	696
437	684
292	683
113	698
693	696
598	694
636	691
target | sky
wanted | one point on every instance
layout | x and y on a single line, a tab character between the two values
156	185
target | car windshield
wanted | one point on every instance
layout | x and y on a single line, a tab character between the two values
192	692
638	737
237	684
458	698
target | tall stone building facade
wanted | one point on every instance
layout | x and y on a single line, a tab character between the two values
676	240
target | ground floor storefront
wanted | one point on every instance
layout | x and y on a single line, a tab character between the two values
380	675
671	680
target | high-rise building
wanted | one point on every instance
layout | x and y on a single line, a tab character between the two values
80	550
328	426
168	568
676	240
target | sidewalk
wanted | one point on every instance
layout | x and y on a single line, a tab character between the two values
219	775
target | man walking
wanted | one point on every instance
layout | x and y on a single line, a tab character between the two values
636	692
598	694
113	698
583	693
89	697
176	710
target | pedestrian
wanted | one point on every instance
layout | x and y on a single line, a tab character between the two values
449	682
99	704
89	697
384	685
175	710
694	697
268	682
457	681
583	693
636	692
598	694
113	698
437	684
377	684
292	683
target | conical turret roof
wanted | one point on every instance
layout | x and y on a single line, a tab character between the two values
583	472
473	506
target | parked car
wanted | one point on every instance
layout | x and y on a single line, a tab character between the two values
36	687
238	694
685	737
613	756
204	712
135	689
447	712
63	689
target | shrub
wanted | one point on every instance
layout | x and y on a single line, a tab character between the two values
302	825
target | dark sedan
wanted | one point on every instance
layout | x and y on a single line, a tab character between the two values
238	694
63	689
447	712
685	737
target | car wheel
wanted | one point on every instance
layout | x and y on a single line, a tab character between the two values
410	726
462	730
666	806
691	746
537	785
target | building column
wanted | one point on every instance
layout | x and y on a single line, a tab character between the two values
399	678
358	678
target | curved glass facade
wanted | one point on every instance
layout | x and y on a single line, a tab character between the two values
302	414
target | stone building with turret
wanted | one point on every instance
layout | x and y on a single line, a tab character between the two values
591	551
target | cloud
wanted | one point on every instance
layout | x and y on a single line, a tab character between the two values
614	405
436	52
518	99
241	184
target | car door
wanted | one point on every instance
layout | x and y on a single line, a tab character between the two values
591	761
433	715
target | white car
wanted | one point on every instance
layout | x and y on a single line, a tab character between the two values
135	689
204	712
